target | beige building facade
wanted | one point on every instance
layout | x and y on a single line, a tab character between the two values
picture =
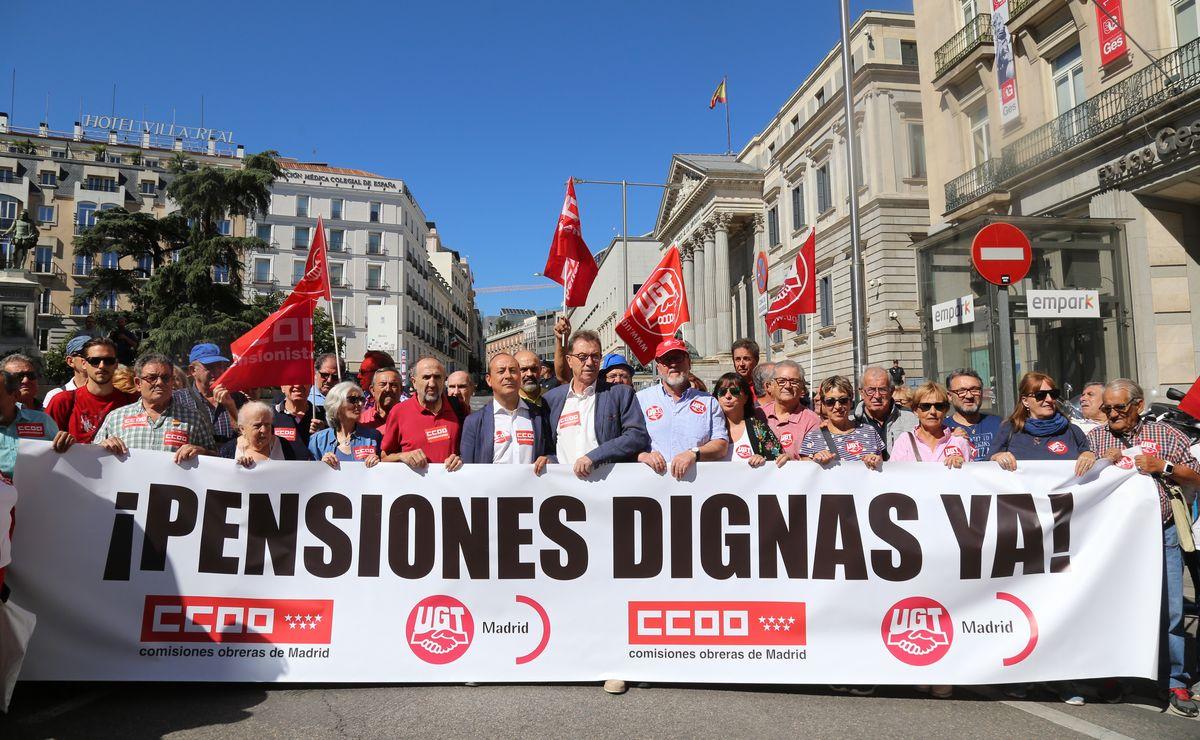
1096	160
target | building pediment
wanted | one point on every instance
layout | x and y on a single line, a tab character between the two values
696	177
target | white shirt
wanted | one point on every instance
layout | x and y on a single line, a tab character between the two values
577	425
70	386
1086	425
513	441
740	450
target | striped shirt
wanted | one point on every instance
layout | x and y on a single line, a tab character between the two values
178	425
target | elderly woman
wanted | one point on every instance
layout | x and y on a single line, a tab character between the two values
345	440
256	440
931	441
842	436
1036	430
751	439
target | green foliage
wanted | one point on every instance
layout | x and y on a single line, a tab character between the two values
25	147
54	363
501	325
99	150
180	163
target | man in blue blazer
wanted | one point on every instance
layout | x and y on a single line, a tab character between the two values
506	430
594	425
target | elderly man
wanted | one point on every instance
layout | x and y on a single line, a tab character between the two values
786	415
326	375
685	425
761	384
80	412
424	428
879	410
616	370
156	421
460	388
73	356
22	368
966	396
385	394
1090	401
506	431
1160	451
21	422
212	401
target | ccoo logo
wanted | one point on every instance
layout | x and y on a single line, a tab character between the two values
917	631
439	629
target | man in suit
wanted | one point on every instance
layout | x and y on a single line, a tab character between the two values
594	425
505	430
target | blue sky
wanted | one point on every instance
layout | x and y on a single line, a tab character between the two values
484	108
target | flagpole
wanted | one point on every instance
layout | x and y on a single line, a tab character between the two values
728	131
337	353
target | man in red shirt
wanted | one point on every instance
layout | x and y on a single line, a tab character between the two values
385	390
424	428
81	412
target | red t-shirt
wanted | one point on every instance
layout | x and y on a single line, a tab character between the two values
81	413
410	426
369	418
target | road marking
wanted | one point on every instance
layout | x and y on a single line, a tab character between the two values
61	708
1001	253
1062	719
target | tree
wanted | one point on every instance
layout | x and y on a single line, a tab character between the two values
180	163
99	150
54	363
502	324
25	147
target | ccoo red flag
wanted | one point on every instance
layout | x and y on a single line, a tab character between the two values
658	310
797	295
315	283
570	262
279	351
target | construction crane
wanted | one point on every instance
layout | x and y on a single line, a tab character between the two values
514	288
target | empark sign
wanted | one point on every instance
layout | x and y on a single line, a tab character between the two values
1169	142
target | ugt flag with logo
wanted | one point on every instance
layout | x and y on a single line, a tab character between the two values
797	295
279	350
658	310
570	262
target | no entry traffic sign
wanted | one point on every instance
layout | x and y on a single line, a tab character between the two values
1001	254
760	272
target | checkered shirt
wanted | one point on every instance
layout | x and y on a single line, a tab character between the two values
177	426
219	424
1172	447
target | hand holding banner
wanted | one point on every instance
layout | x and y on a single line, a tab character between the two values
658	310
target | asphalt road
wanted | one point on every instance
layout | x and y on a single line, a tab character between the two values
255	711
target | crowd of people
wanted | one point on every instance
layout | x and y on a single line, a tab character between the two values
583	411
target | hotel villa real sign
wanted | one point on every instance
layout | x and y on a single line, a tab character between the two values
156	128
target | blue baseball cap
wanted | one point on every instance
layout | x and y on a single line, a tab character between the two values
206	354
615	359
75	344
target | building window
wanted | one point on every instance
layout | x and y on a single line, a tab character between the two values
263	231
798	207
147	187
374	277
43	340
302	205
58	154
297	271
825	298
82	265
1067	71
149	163
100	184
109	301
374	242
1186	28
79	306
224	227
820	97
44	304
301	240
795	123
85	216
802	324
824	194
981	144
335	207
8	174
221	274
968	10
43	259
48	178
109	260
337	274
908	53
145	265
12	320
375	209
916	151
773	226
9	208
46	214
337	240
339	311
262	269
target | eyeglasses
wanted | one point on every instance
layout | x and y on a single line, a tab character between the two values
831	401
876	391
940	406
328	376
1120	408
1041	395
24	375
585	358
789	382
356	400
963	392
152	379
729	390
98	361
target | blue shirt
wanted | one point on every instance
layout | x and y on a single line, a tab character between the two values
363	442
982	435
27	424
678	426
1068	444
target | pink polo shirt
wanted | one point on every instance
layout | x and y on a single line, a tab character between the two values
949	444
791	433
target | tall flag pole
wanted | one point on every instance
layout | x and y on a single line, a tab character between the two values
720	95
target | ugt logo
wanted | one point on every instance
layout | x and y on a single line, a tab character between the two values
918	631
658	302
439	629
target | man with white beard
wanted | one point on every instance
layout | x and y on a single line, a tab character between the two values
685	425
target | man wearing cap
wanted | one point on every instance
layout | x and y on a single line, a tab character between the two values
615	370
219	406
74	357
685	425
506	431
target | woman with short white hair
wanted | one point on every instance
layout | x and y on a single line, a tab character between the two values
345	440
256	440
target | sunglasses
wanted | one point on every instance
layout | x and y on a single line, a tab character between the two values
940	406
1041	395
152	379
328	376
1120	408
98	361
729	390
355	400
831	401
24	375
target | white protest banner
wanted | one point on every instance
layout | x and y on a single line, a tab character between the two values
139	569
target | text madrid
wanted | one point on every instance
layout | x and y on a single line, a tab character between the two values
461	530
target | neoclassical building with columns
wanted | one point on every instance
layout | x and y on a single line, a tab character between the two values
726	208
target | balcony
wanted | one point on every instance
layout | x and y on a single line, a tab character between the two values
956	59
82	268
266	280
973	185
99	184
50	310
48	269
376	285
1027	14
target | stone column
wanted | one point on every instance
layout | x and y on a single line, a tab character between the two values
711	295
741	309
699	307
689	287
724	312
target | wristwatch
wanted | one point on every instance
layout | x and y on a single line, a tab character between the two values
1168	469
696	452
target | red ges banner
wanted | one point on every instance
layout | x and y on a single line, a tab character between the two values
1113	44
716	623
228	619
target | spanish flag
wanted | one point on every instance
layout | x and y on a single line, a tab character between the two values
718	96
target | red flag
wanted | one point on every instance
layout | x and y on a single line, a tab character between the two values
1190	404
279	351
798	293
658	310
570	262
315	283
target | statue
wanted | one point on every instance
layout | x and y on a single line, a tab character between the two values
24	238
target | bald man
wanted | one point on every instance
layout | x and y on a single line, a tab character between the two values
424	428
460	388
506	430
